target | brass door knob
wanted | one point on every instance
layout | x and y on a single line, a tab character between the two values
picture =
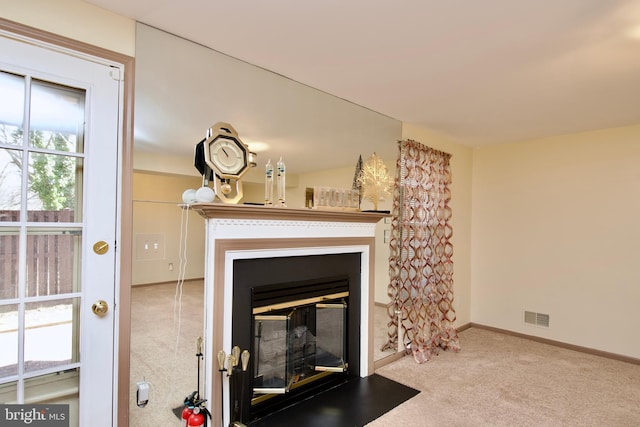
100	308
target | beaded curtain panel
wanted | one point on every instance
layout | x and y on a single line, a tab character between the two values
420	263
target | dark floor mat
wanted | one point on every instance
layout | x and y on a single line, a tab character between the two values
178	411
352	404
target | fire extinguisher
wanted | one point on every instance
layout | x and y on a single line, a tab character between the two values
186	413
196	419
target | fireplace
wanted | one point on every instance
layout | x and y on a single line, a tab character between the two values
295	315
306	268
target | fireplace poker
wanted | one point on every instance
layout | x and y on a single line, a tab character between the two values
244	358
231	362
235	351
199	357
245	364
222	356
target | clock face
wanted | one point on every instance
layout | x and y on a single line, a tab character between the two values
229	156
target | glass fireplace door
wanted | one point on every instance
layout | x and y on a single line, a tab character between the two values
273	368
331	337
299	345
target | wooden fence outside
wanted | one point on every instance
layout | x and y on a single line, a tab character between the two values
51	256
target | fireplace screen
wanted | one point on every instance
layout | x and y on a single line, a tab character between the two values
298	342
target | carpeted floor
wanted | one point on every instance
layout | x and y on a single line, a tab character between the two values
501	380
496	380
167	363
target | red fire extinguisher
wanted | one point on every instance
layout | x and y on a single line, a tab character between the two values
196	419
186	413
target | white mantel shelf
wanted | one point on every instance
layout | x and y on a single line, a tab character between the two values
220	211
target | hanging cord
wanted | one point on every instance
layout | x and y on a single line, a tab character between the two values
177	299
182	269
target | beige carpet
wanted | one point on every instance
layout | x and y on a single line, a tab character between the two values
500	380
496	380
168	366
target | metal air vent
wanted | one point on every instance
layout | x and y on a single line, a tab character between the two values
538	319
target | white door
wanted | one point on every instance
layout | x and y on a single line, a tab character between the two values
59	126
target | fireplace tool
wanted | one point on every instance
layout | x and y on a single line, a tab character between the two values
235	358
222	357
245	364
199	358
195	412
235	352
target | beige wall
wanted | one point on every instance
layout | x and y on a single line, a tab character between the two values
75	19
156	213
555	231
461	163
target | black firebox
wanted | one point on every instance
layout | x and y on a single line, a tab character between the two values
299	318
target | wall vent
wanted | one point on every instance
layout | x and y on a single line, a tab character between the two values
538	319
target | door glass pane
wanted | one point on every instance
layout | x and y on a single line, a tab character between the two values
8	341
53	261
54	187
60	388
49	334
9	392
10	184
11	108
57	117
9	247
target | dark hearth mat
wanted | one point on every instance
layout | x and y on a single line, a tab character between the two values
352	404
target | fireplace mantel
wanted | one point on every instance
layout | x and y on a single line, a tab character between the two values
235	232
219	211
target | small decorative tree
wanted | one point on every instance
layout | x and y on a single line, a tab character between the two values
357	178
375	180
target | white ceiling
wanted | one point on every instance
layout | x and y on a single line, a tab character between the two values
478	72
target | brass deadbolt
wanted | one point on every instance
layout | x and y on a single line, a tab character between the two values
100	308
100	247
